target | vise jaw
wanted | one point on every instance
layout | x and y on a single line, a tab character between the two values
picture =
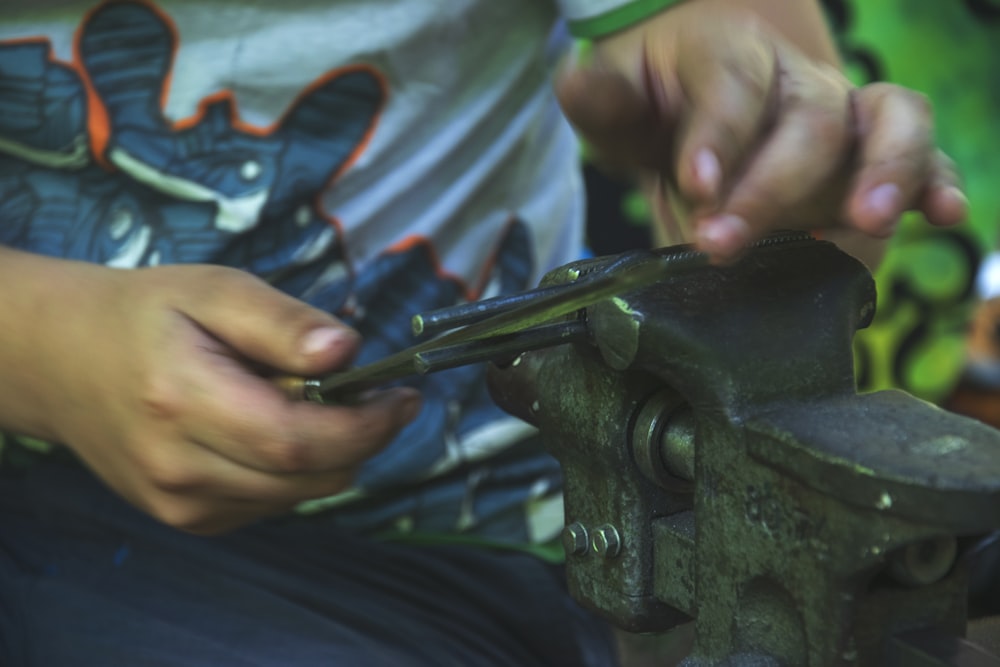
720	467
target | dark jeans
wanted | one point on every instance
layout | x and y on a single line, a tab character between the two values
88	581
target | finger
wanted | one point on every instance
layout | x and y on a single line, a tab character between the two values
305	437
248	421
943	202
266	325
622	125
731	97
215	399
896	156
191	488
784	178
177	471
338	437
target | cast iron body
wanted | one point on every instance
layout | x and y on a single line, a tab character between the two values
720	466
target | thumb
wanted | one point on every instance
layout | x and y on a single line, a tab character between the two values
624	126
270	327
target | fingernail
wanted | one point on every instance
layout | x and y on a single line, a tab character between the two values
725	234
707	171
883	201
324	338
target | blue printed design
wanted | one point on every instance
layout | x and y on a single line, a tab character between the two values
42	104
209	192
213	191
485	498
456	400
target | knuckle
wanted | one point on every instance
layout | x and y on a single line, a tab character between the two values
169	474
159	397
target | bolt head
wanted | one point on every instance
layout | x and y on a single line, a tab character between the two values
575	539
606	541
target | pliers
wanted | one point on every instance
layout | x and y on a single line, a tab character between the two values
504	326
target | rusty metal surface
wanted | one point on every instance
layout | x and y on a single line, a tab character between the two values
719	466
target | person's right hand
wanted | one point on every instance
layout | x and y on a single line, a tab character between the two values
160	386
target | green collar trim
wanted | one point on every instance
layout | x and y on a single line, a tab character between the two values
618	18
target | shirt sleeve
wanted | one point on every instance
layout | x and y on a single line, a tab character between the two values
588	19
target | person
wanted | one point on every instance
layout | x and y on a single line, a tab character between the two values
196	197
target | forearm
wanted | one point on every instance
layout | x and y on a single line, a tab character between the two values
39	298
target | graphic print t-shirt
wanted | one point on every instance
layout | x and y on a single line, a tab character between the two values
375	159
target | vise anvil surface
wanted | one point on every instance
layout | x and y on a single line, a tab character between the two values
721	467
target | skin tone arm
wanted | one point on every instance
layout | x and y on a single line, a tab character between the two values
736	116
152	378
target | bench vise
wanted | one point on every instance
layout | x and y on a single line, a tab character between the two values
721	468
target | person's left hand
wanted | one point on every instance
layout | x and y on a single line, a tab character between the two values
743	134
